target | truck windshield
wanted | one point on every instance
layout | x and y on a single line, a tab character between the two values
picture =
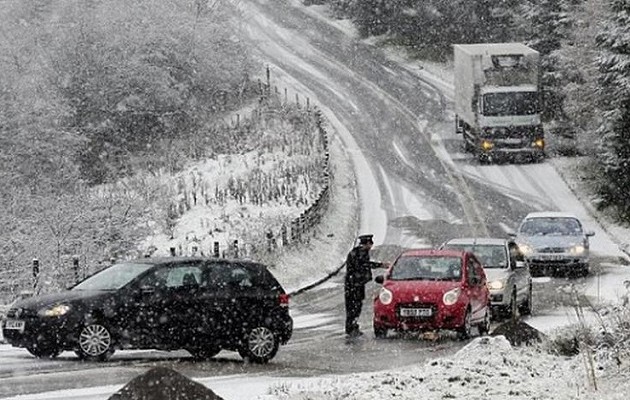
510	103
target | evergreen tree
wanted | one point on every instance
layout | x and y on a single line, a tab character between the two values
614	133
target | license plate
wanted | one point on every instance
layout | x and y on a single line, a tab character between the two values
416	312
14	324
552	257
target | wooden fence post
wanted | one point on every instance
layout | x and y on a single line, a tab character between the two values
35	274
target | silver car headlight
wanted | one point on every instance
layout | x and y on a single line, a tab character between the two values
54	311
451	296
579	249
385	296
496	285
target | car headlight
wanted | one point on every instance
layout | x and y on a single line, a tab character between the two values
579	249
496	285
385	296
451	296
55	311
525	249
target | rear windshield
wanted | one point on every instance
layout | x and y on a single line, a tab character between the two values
435	268
491	256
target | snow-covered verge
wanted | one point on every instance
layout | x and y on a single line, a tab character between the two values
488	367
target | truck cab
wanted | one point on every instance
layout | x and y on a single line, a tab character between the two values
498	100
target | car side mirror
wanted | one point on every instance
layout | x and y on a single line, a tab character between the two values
519	264
379	279
590	233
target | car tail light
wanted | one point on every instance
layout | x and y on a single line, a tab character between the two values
284	300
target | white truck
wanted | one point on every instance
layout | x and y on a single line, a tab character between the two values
498	100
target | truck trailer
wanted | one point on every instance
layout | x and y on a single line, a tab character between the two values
498	100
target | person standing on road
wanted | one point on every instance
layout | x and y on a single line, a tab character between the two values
358	274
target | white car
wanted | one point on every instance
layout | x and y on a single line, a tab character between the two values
554	242
509	280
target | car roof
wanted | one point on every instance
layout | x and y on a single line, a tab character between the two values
550	214
478	240
183	260
432	252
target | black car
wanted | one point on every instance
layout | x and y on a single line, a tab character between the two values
197	304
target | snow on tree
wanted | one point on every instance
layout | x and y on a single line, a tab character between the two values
614	94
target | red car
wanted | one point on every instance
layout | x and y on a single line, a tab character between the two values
428	289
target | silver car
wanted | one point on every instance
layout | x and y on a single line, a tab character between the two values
554	242
509	280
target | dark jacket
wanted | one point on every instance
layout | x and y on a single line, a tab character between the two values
358	267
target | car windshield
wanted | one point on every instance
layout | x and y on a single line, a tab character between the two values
433	268
491	256
113	278
551	227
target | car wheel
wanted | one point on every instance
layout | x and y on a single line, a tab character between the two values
259	345
465	331
380	333
95	342
484	326
204	353
43	351
512	311
526	307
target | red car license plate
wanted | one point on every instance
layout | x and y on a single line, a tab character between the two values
416	312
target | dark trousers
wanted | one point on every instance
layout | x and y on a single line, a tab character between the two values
354	301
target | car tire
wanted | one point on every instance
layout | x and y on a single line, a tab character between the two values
204	353
464	331
43	351
260	345
380	332
526	307
95	342
512	310
484	326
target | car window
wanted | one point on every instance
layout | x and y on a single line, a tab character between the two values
183	276
228	275
427	268
491	256
551	226
173	277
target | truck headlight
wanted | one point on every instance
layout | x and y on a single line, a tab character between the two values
540	143
579	249
54	311
385	296
451	296
496	285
